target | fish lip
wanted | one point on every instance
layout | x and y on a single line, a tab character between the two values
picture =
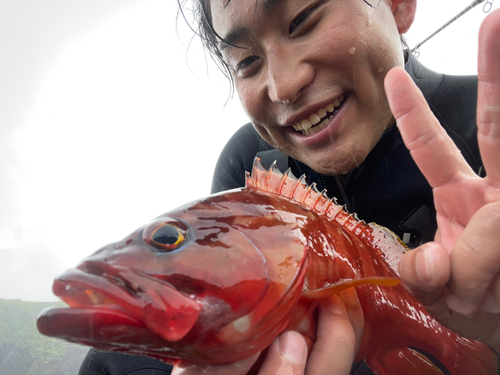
72	283
122	285
67	322
165	310
82	321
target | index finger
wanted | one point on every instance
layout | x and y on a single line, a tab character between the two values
435	154
339	331
488	111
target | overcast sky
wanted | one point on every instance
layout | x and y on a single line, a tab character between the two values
110	117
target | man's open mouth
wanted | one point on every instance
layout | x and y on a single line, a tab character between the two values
320	119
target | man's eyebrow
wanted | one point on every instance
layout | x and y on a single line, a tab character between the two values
240	32
233	37
270	5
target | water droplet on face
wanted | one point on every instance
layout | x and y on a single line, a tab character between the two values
352	50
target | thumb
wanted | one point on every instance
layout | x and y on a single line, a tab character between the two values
426	271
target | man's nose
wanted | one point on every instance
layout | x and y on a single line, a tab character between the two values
288	75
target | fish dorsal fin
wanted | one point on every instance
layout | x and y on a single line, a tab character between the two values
286	185
296	189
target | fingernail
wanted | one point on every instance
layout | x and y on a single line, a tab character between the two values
425	265
490	304
461	307
350	297
293	347
334	304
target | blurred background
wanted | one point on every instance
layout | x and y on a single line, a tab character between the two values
111	114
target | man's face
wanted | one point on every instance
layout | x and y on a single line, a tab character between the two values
328	59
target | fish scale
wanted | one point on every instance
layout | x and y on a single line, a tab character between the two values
240	267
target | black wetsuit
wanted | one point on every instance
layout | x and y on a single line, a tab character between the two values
387	188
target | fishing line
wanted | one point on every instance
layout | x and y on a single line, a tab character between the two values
486	9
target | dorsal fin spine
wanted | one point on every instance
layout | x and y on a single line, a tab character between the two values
306	193
294	190
274	179
318	197
283	180
297	189
270	173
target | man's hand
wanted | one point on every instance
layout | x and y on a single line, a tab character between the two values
457	277
340	328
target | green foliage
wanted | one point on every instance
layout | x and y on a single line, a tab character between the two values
24	351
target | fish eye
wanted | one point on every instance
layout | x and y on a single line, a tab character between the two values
165	235
168	235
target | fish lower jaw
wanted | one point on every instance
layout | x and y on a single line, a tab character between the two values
79	296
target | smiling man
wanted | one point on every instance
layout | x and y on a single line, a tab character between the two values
310	74
323	85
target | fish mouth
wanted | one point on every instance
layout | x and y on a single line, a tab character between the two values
107	301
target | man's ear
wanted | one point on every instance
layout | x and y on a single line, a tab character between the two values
404	13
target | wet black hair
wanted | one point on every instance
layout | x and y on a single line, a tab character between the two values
203	27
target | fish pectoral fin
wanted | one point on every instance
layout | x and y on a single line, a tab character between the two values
317	294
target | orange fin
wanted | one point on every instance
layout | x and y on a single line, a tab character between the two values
316	294
402	362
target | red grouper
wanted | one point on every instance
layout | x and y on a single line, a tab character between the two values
216	280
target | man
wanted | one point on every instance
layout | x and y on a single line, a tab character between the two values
310	75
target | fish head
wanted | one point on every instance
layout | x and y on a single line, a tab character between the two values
173	282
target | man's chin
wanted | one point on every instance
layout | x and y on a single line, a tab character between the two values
335	165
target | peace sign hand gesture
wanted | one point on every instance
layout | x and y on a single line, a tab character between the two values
457	277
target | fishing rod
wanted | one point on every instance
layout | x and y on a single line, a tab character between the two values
486	9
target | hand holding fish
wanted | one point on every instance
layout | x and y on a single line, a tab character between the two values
456	277
340	328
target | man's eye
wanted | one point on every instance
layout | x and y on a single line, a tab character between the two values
246	62
297	21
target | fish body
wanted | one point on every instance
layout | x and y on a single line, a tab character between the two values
216	280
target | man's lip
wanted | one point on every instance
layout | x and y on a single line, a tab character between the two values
308	111
326	132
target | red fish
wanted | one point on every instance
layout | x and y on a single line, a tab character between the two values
216	280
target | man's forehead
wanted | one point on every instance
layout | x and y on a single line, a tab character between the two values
225	10
267	5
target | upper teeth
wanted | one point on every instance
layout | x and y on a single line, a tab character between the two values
318	116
